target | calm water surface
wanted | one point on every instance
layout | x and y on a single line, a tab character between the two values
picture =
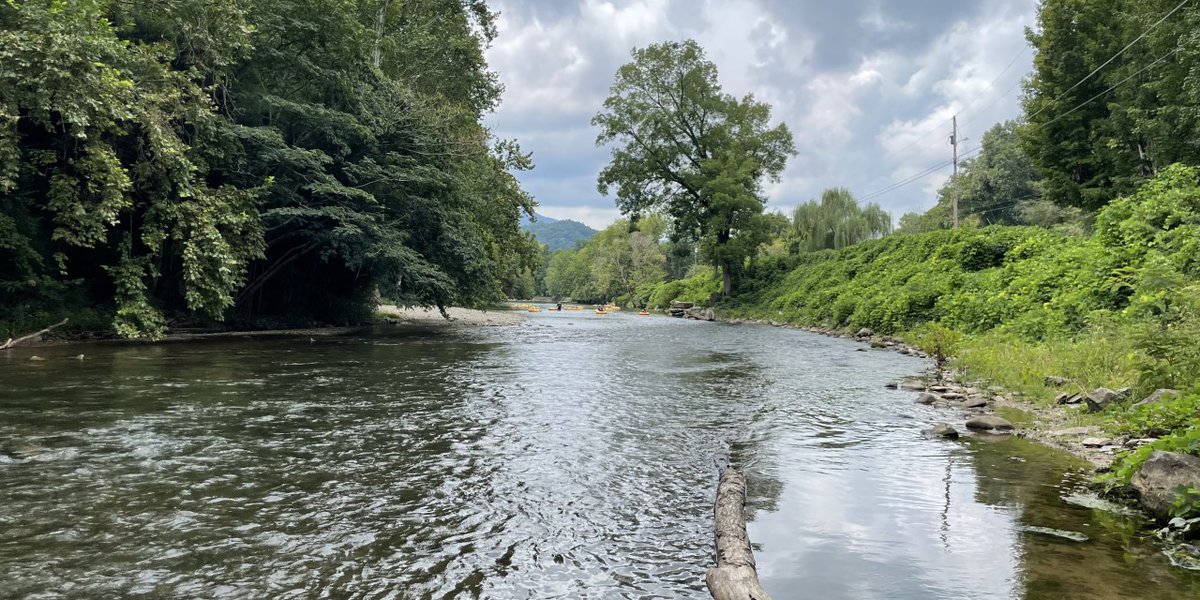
568	458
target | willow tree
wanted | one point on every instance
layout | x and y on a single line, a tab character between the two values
683	146
837	221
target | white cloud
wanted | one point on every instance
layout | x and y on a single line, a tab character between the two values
868	103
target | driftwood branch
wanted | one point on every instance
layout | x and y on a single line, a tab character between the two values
734	577
25	338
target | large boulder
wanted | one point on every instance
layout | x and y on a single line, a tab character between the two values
864	333
1101	398
1159	396
1160	476
989	423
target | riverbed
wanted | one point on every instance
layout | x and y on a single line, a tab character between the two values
568	457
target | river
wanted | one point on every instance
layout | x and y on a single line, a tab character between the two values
571	457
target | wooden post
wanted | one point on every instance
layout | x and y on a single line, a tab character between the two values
734	577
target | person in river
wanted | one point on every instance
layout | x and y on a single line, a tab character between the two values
559	306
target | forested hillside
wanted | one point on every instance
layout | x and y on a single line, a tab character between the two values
558	235
170	161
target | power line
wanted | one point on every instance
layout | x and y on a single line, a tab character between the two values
1109	61
942	165
1113	87
918	176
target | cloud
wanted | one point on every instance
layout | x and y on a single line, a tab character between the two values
866	86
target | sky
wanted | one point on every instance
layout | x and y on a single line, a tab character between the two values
867	87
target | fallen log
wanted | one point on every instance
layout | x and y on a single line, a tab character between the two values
735	576
13	342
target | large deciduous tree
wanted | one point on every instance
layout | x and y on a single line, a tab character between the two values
683	146
1099	123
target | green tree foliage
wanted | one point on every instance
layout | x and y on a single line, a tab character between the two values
684	146
837	221
261	158
615	265
1090	144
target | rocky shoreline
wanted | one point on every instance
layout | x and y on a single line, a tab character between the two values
1055	426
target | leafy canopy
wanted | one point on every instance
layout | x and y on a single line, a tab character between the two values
683	146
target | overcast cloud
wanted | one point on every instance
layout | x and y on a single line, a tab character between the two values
866	86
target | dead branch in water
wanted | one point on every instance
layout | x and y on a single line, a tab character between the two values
13	342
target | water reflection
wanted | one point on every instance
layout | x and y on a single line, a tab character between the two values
570	458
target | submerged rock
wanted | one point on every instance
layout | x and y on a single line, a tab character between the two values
1094	502
989	423
927	398
1160	476
1073	536
944	431
21	450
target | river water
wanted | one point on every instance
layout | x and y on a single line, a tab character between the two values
571	457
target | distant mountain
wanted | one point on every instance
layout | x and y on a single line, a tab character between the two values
556	234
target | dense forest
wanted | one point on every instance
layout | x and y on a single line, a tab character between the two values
168	162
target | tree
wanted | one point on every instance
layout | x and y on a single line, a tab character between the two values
684	146
837	221
1097	129
174	160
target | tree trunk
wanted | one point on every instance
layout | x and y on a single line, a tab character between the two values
726	280
734	577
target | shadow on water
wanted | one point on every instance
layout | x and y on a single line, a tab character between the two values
569	458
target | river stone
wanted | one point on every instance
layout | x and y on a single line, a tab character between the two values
927	398
1160	476
1100	399
1073	536
864	333
1096	442
975	403
1054	381
1159	396
989	423
912	385
36	358
953	396
944	431
1065	398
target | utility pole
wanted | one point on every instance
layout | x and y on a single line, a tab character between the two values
954	177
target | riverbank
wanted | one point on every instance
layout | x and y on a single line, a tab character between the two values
386	315
1057	426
